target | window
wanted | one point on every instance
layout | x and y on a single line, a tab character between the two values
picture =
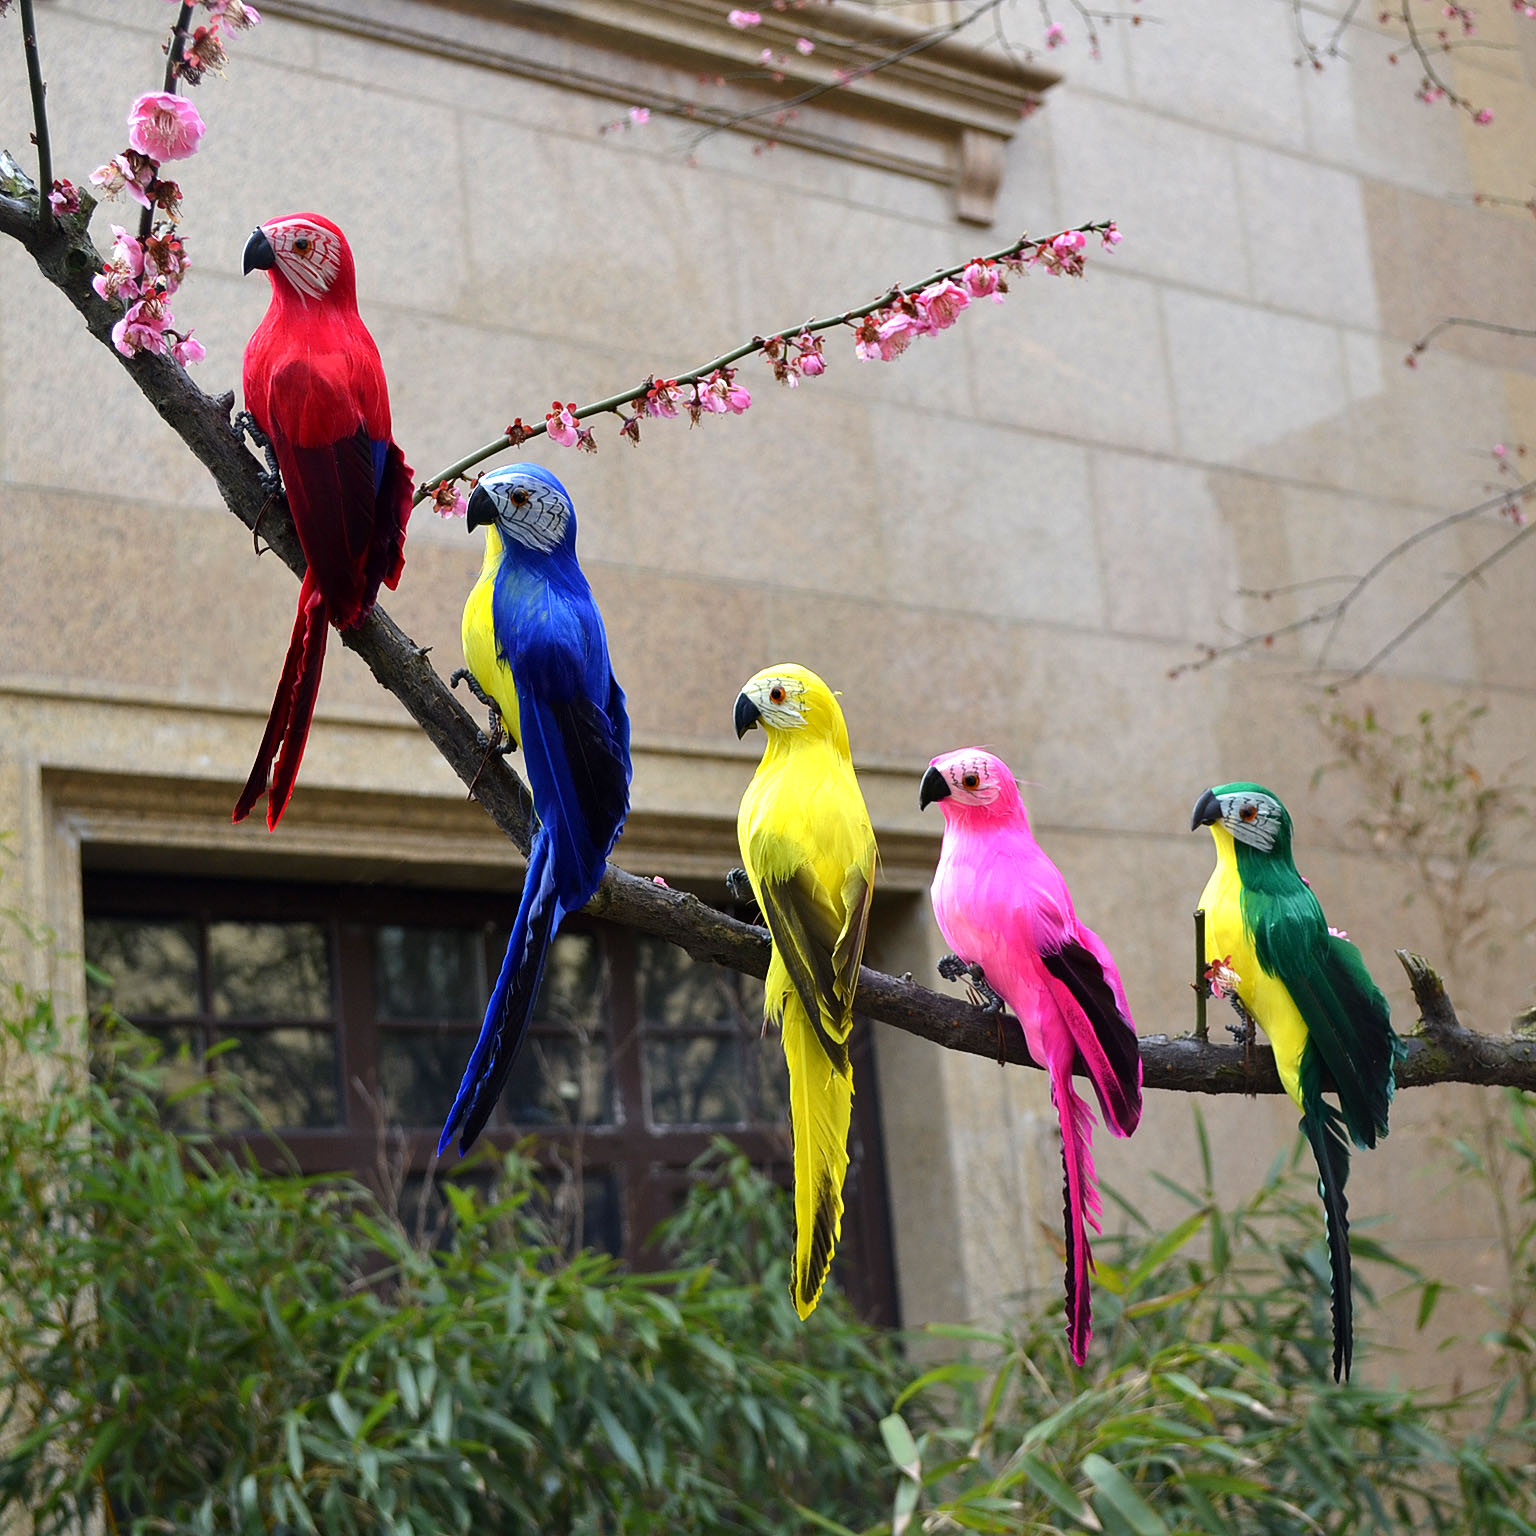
349	1013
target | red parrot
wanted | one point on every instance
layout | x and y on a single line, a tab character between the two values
314	387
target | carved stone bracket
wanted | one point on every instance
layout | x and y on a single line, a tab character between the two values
941	113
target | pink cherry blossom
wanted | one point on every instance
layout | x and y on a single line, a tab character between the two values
448	500
1484	117
1338	933
639	116
745	19
720	394
898	329
1055	35
981	280
128	172
164	127
868	343
810	362
942	303
1223	980
142	329
165	257
118	280
202	52
64	198
1111	235
188	350
563	426
235	14
662	397
1063	257
804	45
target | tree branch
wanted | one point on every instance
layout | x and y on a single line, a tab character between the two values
66	256
39	116
173	53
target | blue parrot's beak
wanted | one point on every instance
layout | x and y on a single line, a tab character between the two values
934	787
747	715
258	253
1207	812
481	510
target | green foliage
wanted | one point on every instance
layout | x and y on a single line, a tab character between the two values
1206	1405
214	1350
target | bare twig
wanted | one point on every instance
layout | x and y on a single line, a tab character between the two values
39	92
1333	613
1525	332
510	439
66	257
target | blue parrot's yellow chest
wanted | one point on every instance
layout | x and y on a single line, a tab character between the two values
479	634
1265	997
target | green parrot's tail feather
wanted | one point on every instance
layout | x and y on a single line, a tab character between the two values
1324	1128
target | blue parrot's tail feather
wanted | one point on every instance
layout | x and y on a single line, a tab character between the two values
512	999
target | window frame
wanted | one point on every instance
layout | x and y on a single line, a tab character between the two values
648	1163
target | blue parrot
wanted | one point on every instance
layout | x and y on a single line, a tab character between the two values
535	644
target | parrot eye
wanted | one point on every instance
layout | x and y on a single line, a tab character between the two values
971	780
301	245
520	497
776	693
1249	812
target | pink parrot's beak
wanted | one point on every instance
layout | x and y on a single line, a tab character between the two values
934	787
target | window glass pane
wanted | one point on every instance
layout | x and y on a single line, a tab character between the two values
675	991
571	996
560	1079
269	971
696	1080
153	967
768	1075
428	973
289	1075
423	1209
420	1071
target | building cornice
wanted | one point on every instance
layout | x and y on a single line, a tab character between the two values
950	107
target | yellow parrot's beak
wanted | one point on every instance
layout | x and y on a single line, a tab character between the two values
747	715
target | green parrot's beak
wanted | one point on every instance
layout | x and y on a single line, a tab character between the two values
747	715
934	787
258	253
1207	812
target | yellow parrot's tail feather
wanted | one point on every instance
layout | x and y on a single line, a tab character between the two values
820	1113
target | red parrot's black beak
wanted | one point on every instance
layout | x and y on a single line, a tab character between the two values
934	787
258	253
1207	812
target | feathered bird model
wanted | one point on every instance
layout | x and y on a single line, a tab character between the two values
1003	906
315	390
536	648
1309	990
809	852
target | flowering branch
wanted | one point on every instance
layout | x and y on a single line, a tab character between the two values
66	257
884	327
1435	87
1507	502
39	114
173	51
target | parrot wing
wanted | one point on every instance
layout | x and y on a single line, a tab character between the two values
350	495
1348	1020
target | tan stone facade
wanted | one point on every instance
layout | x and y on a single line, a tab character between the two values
1009	536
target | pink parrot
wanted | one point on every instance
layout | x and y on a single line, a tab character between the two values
1005	910
315	390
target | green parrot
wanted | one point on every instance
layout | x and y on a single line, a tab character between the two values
1308	988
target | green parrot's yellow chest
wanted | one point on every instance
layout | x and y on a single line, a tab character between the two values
1265	996
479	635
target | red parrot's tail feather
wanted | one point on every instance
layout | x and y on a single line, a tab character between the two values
292	706
1082	1206
296	732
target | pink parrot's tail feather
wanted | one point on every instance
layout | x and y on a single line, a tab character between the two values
292	707
1089	999
1082	1208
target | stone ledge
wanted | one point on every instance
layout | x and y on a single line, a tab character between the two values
955	106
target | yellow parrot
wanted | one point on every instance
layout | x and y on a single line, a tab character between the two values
809	852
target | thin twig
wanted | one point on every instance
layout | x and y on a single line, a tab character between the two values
1524	332
725	359
173	56
39	117
1333	613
